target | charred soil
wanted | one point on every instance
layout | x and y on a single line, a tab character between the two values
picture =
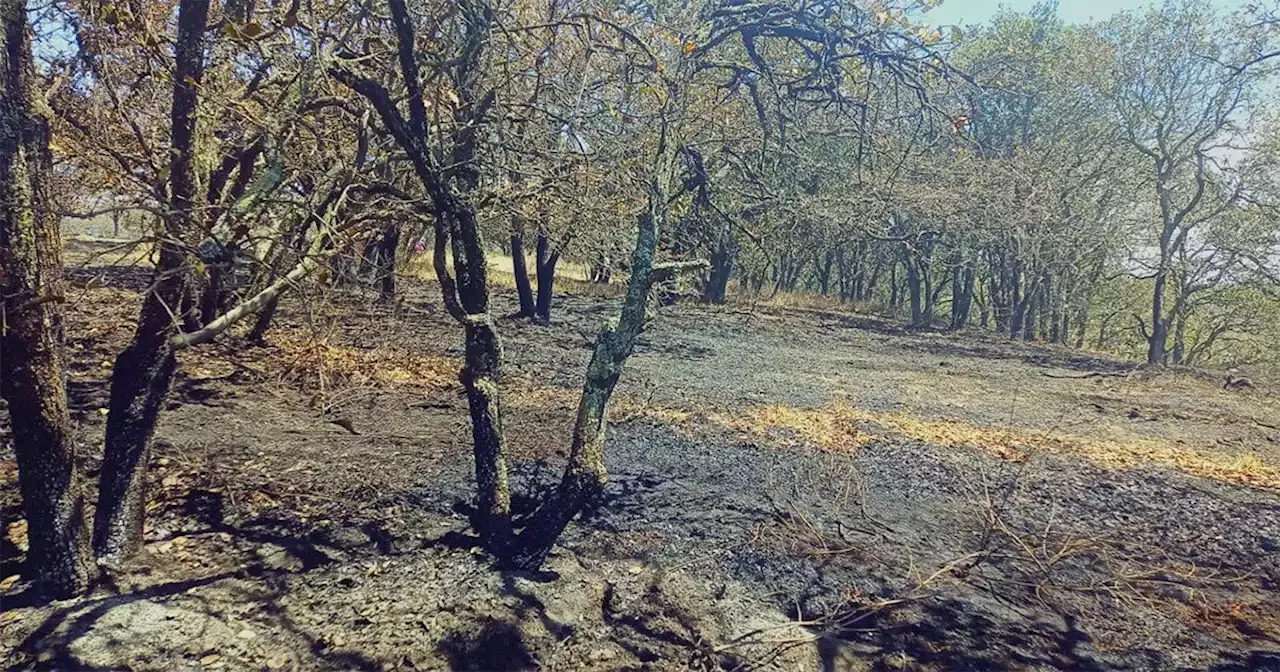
789	489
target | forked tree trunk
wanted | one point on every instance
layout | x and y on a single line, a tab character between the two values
144	371
31	348
717	285
546	260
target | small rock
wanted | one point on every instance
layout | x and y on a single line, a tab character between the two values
246	634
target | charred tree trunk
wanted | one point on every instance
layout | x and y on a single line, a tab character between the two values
585	475
546	261
467	298
1030	313
961	296
31	348
916	292
717	287
387	262
521	270
822	268
211	299
144	371
292	238
367	269
1179	338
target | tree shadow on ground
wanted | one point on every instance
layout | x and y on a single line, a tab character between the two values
497	645
947	633
51	643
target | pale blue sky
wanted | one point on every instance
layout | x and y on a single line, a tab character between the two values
1074	11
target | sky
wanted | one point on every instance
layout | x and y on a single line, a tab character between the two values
1073	11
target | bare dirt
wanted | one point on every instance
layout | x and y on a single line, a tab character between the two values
789	489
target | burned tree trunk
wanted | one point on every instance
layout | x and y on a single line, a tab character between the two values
716	289
520	269
546	268
144	371
31	353
387	249
467	298
962	282
585	475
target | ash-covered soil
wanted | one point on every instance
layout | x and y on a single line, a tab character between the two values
789	490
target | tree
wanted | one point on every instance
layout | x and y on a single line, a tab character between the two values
1181	91
31	350
143	372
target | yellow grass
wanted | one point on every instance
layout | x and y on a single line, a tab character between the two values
798	299
571	277
841	426
311	362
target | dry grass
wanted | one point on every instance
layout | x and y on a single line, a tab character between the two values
794	300
841	426
316	364
571	278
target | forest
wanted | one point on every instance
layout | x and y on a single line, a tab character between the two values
639	334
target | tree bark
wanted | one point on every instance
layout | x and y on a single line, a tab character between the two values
716	289
915	291
31	339
1159	336
1179	337
546	269
387	249
520	268
961	296
467	298
144	371
585	476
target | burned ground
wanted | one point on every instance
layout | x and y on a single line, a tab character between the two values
790	489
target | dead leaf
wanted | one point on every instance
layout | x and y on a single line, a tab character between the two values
8	582
251	30
17	533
